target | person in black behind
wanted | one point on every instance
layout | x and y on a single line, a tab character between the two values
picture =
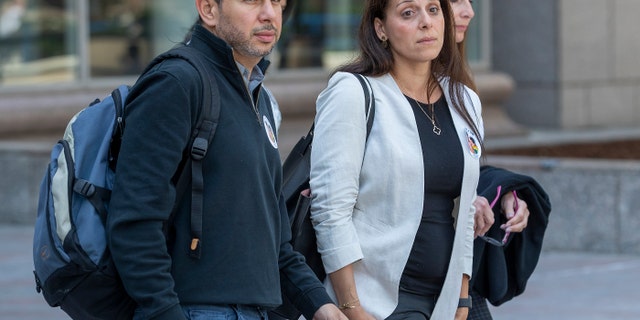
502	266
246	258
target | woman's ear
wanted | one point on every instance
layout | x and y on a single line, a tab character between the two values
379	27
208	11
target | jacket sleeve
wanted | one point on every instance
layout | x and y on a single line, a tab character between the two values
336	161
299	284
158	121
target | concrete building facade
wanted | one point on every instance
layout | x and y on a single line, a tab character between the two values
574	62
559	64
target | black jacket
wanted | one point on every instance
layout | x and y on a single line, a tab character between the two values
499	274
246	256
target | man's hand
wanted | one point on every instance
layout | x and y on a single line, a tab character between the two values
329	312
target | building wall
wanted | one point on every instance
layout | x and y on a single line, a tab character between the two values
601	73
524	45
574	62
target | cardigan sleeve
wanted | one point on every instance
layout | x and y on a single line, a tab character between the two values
474	108
336	161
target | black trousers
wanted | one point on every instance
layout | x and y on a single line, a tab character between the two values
480	310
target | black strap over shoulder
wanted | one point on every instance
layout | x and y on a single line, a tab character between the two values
297	165
201	138
369	101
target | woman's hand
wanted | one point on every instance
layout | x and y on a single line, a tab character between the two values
518	220
329	312
484	218
357	313
344	285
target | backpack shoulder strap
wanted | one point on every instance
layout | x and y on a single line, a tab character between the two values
201	138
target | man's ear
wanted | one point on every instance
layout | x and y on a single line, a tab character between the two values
208	11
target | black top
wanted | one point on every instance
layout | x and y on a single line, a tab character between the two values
443	169
246	255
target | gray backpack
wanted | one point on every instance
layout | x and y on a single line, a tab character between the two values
73	266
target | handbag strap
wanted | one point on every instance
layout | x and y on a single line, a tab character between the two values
369	105
369	101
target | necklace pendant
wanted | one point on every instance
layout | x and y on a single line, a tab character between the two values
436	130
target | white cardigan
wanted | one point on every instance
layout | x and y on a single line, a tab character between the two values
367	202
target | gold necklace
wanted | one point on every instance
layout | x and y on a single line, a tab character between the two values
436	128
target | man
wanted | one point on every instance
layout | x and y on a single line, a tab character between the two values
245	257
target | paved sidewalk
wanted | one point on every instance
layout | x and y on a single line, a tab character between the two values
18	296
564	286
581	286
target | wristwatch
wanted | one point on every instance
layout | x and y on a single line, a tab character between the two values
464	303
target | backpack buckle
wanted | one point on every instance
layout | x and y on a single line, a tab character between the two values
199	148
84	188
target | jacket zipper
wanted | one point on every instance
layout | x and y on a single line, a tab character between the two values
254	105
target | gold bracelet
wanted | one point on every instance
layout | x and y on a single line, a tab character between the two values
349	305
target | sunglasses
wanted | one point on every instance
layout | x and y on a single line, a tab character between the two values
493	241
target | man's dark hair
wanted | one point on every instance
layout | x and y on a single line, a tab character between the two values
285	13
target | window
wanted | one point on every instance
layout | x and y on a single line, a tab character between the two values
57	41
70	41
38	41
321	33
125	35
478	36
119	37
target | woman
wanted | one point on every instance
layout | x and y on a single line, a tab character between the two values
463	13
515	210
394	217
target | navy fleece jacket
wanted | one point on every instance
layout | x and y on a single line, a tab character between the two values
246	255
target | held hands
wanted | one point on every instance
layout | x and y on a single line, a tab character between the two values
517	220
329	312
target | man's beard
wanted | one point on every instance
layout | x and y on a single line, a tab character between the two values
239	43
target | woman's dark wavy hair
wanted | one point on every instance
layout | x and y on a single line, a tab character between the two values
376	60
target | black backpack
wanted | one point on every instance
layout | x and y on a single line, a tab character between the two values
295	189
73	266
